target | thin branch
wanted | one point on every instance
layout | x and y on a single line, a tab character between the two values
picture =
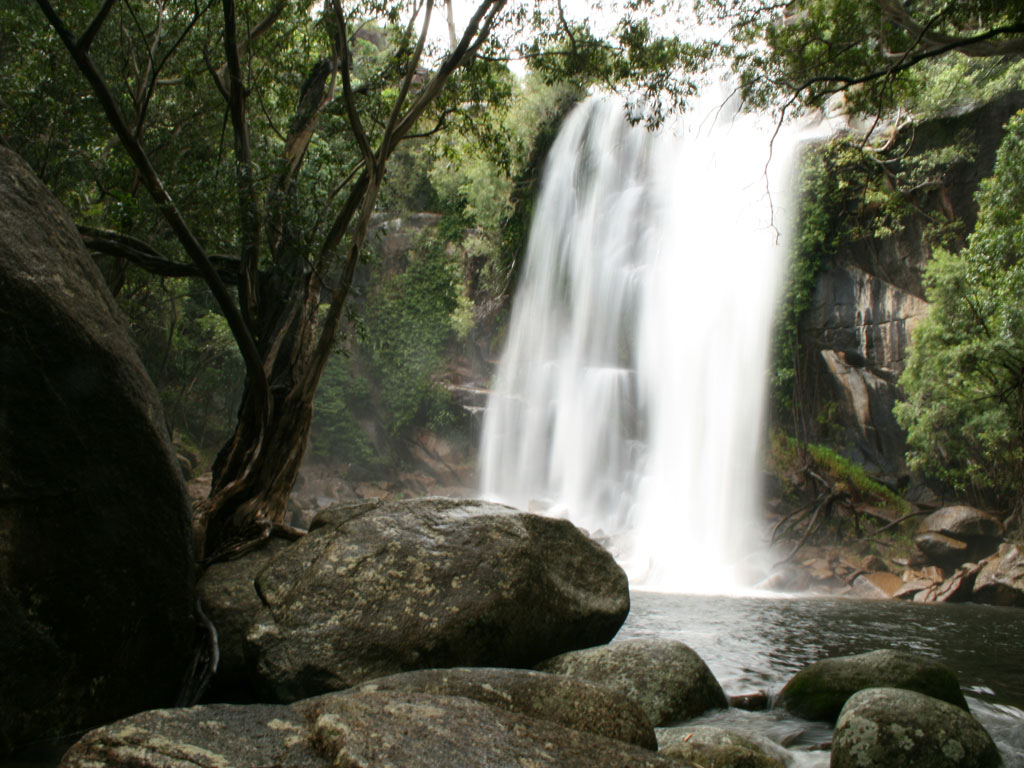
346	84
87	38
167	208
248	200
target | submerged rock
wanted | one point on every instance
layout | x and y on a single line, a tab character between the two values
898	728
713	747
96	572
379	588
576	704
666	677
355	729
819	691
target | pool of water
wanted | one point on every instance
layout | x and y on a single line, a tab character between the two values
758	643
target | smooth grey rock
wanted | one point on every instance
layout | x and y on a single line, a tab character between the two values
898	728
96	571
573	703
1001	581
666	677
385	587
819	691
714	747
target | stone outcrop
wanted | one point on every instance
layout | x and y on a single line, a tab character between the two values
905	729
1001	579
869	295
954	535
379	588
357	729
96	601
666	678
819	691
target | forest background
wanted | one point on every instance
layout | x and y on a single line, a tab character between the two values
286	133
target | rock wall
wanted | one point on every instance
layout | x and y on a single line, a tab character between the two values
869	295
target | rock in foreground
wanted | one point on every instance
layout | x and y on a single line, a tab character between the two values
572	703
666	678
898	728
819	691
356	729
380	588
96	574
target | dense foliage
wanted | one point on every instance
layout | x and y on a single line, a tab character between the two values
804	53
965	377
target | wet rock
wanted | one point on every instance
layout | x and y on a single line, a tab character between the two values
905	729
1001	580
573	703
819	691
96	579
713	747
666	677
911	588
956	589
879	585
378	588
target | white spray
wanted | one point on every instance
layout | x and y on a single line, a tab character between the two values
630	395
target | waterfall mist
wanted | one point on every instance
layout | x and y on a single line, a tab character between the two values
631	392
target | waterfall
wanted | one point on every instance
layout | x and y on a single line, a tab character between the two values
630	394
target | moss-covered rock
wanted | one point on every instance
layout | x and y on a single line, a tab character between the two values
904	729
666	677
819	691
380	588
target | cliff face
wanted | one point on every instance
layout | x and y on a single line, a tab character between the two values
869	295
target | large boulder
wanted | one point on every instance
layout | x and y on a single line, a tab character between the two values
898	728
96	579
1001	581
385	587
575	704
356	729
956	534
666	678
819	691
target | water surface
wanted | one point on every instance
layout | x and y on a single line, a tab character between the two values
758	643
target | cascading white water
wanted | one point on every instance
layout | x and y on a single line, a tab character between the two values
630	393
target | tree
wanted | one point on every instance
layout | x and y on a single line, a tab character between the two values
802	53
964	382
291	202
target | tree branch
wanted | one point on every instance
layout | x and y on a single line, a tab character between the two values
143	255
248	200
86	40
167	208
